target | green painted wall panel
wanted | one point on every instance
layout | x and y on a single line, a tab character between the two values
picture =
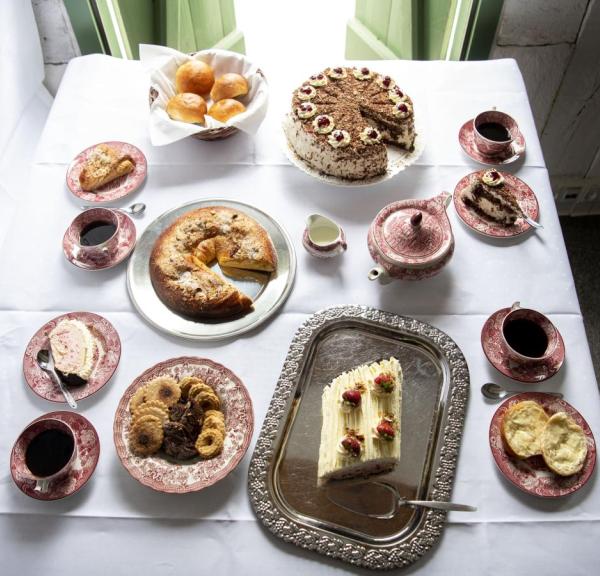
361	44
228	16
206	22
377	18
84	27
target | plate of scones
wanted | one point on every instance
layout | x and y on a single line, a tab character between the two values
183	425
542	445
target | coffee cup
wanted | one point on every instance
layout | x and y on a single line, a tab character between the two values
94	234
494	132
45	452
528	336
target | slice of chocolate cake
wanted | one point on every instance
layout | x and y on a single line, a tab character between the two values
490	197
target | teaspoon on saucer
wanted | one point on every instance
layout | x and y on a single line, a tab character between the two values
496	392
136	209
46	363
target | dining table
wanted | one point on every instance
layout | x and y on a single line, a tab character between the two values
115	525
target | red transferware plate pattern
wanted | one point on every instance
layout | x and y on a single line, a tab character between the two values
118	188
494	348
523	194
88	453
167	475
107	355
467	143
532	475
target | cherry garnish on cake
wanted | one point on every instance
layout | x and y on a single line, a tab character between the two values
396	95
351	398
351	445
317	80
385	430
362	74
384	383
492	178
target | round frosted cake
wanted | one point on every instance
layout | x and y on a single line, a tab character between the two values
342	118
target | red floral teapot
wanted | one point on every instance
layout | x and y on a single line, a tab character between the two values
411	239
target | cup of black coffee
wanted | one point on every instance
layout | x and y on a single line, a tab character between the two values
45	452
95	234
528	336
494	132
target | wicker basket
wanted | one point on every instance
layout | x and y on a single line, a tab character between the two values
211	133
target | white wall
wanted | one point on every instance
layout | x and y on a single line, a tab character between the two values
557	46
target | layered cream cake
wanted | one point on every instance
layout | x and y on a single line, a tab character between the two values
489	196
73	348
342	118
361	422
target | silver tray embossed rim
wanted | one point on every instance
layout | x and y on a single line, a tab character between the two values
379	557
152	309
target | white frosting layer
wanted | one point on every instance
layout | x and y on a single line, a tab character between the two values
377	455
73	346
324	157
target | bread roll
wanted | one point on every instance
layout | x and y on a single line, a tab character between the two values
522	428
194	76
229	85
564	446
187	108
223	110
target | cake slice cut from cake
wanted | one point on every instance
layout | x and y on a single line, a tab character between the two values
489	196
73	348
361	411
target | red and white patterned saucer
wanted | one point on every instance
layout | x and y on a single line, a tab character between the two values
88	453
108	355
116	189
127	239
166	475
531	474
494	348
522	193
465	137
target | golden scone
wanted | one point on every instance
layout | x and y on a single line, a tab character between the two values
229	85
522	427
223	110
564	445
187	107
194	76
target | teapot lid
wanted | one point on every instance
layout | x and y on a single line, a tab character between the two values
414	233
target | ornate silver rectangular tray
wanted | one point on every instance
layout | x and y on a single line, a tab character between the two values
282	479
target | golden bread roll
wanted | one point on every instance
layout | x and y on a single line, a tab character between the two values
187	107
564	445
194	76
229	85
223	110
522	428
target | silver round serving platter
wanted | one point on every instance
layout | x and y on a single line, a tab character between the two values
268	295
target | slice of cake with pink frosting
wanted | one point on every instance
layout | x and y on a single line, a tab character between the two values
74	350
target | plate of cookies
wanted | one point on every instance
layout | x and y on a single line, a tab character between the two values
542	444
183	425
210	94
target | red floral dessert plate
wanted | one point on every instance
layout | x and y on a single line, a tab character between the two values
494	348
108	353
166	474
522	193
531	474
465	137
126	244
116	189
88	453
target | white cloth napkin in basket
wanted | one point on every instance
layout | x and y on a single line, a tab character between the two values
161	63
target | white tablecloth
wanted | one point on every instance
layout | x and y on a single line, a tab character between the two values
215	530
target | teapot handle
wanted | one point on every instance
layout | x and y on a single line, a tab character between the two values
444	198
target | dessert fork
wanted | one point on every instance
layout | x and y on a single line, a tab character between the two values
46	363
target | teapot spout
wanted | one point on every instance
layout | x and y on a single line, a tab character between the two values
379	273
444	199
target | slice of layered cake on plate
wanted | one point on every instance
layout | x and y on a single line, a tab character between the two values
74	349
489	196
361	412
